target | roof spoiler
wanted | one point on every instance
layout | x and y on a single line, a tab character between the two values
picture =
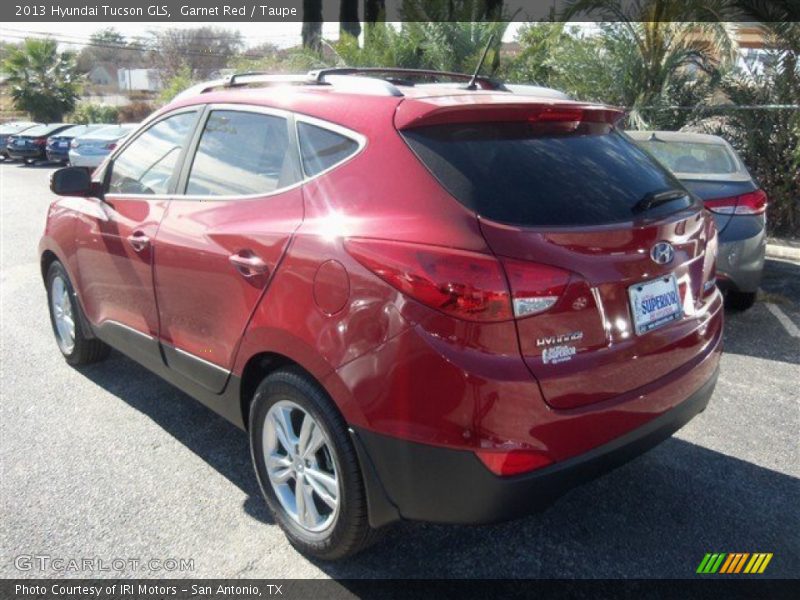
427	112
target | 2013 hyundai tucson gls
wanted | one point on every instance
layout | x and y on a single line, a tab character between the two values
426	301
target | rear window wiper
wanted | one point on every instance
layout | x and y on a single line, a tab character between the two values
653	199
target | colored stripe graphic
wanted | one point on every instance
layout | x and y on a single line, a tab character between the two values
711	562
740	562
733	562
727	564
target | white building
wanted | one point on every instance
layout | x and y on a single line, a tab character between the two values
138	80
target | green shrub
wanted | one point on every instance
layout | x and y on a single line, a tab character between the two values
87	112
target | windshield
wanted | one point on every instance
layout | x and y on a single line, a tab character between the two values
545	174
693	157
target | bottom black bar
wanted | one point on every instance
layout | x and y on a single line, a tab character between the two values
712	587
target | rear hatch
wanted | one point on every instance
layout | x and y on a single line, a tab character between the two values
604	250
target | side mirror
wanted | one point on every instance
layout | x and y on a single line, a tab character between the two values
72	181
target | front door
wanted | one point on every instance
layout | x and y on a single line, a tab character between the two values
115	254
222	238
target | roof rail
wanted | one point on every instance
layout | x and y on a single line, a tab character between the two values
406	76
383	81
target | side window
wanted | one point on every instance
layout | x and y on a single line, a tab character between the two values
241	153
321	148
147	165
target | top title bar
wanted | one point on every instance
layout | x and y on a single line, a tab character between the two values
231	11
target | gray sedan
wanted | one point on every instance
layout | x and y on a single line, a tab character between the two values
708	167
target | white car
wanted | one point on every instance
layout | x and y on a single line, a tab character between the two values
91	149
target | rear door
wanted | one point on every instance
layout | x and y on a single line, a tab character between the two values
576	209
223	236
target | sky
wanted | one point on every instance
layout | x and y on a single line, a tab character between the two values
283	35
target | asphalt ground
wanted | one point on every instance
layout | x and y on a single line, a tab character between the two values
111	463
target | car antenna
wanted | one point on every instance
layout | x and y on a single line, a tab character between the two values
472	85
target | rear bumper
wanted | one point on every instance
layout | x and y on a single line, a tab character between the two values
26	153
740	259
429	483
57	155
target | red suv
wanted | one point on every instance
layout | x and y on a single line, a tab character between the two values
423	300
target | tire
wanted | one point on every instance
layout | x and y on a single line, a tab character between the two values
339	532
740	300
61	298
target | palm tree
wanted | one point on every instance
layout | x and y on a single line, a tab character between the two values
42	80
312	25
654	45
348	18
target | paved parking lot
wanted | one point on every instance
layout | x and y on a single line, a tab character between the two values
109	462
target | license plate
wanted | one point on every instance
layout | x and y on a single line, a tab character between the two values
655	303
62	144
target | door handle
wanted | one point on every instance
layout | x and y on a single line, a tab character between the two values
248	263
138	240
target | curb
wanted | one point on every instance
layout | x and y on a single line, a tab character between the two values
785	252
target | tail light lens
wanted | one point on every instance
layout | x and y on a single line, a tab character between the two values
466	285
74	144
535	288
40	141
753	203
512	462
111	146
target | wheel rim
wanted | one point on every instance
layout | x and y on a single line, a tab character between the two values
62	315
300	466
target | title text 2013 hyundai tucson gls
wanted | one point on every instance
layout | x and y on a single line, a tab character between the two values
433	302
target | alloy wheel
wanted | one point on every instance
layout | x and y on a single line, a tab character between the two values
300	466
62	315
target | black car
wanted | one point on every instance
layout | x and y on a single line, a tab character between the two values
31	144
9	129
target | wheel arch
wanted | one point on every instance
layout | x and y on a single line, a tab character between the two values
258	367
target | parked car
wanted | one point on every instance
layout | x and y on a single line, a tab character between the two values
29	145
57	149
711	169
437	304
89	150
9	129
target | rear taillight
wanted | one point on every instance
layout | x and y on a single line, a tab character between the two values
466	285
463	284
74	144
512	462
753	203
111	146
534	287
40	141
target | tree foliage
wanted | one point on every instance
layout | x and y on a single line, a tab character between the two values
42	80
89	112
203	50
110	46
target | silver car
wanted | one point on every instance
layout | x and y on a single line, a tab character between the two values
91	149
707	166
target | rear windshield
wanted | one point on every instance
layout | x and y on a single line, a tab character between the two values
544	175
691	157
41	130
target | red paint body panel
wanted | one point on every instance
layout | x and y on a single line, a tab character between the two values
605	261
391	364
204	303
